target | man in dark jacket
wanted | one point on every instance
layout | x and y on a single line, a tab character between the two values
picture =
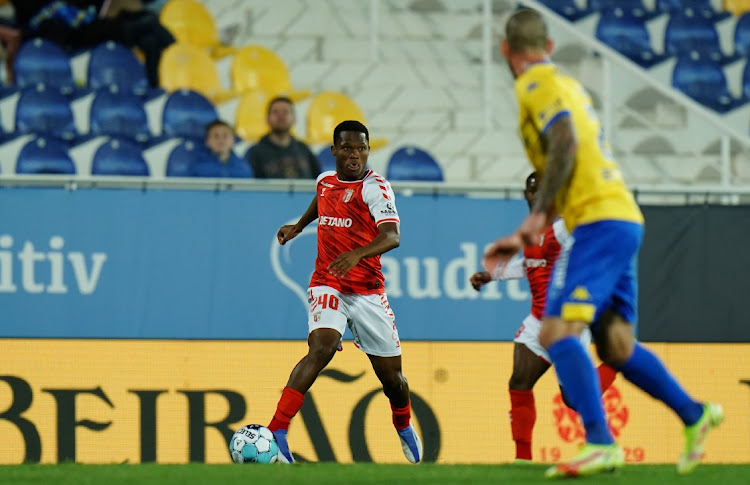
278	154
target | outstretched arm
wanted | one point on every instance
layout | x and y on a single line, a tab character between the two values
561	157
290	231
388	238
514	270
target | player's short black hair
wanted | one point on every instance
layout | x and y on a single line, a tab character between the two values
532	176
526	29
215	123
276	100
350	125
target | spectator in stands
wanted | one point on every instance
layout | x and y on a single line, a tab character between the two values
278	154
77	24
222	162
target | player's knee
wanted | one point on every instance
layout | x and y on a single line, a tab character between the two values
565	399
555	329
616	345
519	382
322	351
394	383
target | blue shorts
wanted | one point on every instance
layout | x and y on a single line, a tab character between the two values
596	272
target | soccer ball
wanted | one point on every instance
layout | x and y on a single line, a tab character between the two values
253	444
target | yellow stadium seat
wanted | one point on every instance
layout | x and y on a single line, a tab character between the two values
184	66
191	23
251	115
737	7
258	68
250	118
327	110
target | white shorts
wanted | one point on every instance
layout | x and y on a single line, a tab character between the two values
528	334
369	317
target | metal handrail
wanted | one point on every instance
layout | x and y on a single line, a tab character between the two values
75	182
625	63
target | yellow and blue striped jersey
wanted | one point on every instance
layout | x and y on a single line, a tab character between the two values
596	190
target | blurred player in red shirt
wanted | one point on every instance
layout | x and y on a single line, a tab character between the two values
530	359
357	222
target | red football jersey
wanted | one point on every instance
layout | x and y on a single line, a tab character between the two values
539	260
348	217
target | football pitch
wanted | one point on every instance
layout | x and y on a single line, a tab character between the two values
333	473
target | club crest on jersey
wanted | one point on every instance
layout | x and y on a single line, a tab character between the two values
348	194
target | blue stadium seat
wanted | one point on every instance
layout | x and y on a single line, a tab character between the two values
186	114
694	36
119	157
702	8
326	159
742	35
112	64
119	114
746	81
705	82
567	8
44	156
40	61
632	7
45	112
412	163
628	35
182	158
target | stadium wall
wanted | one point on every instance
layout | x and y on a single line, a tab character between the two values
146	325
116	401
189	264
694	274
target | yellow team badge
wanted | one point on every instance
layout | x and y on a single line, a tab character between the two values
581	294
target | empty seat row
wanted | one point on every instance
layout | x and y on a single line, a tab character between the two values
40	61
185	114
573	12
182	66
44	155
684	36
44	111
705	82
49	156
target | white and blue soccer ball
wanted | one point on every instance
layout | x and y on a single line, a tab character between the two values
253	444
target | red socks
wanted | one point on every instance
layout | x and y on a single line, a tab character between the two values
289	404
522	419
606	376
401	416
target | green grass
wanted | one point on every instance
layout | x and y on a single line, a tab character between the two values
332	473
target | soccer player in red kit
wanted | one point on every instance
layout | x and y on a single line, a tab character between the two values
530	359
357	222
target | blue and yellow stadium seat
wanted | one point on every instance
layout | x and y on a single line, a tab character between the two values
412	163
45	111
44	155
191	23
186	114
250	117
185	66
119	114
255	68
328	109
119	157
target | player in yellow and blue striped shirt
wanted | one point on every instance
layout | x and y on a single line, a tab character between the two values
594	280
